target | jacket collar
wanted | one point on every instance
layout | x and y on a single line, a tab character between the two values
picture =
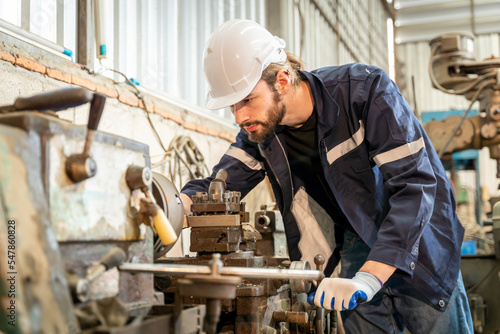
328	110
326	107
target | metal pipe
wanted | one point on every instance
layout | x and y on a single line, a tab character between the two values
29	37
180	269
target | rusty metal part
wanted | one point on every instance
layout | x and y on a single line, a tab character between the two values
223	238
303	327
202	208
207	286
216	239
213	287
270	225
179	270
160	320
100	206
138	177
232	259
135	290
256	299
80	167
80	287
291	316
213	220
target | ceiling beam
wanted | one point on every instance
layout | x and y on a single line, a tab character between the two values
424	21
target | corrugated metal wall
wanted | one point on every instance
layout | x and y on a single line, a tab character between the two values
161	43
333	32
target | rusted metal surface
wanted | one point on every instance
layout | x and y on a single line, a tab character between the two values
291	316
75	209
89	218
273	244
135	290
256	299
160	320
213	220
216	239
260	295
210	239
104	286
42	299
216	207
99	206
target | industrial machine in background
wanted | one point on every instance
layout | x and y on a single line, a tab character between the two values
87	218
454	70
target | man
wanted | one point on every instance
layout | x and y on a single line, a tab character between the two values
354	175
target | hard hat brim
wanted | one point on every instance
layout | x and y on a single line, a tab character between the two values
214	103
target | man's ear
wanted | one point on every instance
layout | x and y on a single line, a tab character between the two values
283	81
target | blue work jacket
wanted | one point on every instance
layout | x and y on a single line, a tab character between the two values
382	169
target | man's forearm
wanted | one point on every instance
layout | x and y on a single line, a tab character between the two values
380	270
186	202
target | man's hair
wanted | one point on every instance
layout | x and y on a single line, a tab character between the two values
293	64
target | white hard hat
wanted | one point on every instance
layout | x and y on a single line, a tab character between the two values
235	56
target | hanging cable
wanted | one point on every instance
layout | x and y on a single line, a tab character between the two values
140	96
182	154
474	98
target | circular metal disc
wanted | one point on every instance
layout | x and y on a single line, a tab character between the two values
300	285
167	197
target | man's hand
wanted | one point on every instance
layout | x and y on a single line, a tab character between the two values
345	294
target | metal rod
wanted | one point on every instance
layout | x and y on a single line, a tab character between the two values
29	37
180	269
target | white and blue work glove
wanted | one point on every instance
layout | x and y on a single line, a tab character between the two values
345	293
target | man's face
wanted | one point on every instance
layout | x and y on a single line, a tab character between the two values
260	112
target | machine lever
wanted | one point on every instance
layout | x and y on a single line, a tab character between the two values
138	177
80	167
80	286
96	109
57	100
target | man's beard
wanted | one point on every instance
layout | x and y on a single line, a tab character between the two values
275	115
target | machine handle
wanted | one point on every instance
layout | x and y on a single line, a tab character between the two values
165	231
96	108
114	258
57	100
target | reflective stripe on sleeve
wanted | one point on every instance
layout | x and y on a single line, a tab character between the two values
400	152
245	158
347	146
